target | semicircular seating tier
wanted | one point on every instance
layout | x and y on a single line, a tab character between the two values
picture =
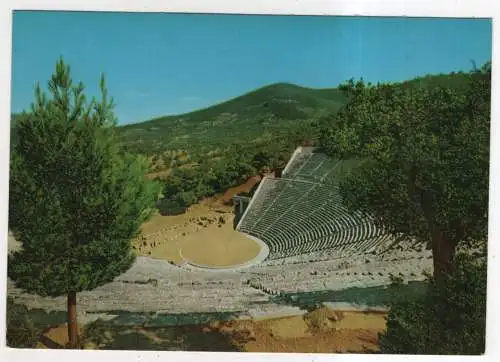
302	211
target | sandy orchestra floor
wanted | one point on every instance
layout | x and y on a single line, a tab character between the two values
204	235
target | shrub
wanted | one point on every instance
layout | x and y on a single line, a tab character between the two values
21	331
395	280
171	207
449	319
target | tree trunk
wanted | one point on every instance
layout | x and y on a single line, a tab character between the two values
72	321
443	251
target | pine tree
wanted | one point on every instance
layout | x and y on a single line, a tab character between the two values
76	198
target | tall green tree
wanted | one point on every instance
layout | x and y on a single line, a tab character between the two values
76	199
426	159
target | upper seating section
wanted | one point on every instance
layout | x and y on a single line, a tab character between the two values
302	212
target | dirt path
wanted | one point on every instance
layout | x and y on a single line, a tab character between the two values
330	332
246	187
355	332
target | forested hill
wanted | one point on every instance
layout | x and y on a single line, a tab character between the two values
282	100
249	117
253	118
451	80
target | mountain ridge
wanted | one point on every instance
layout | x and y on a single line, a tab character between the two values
256	116
273	87
252	116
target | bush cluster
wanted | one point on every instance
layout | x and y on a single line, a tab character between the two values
21	330
449	319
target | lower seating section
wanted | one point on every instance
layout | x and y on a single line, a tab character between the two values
333	269
303	211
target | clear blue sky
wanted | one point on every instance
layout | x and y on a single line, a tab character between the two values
158	64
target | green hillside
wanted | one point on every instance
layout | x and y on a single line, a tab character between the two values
456	80
250	117
256	116
253	120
